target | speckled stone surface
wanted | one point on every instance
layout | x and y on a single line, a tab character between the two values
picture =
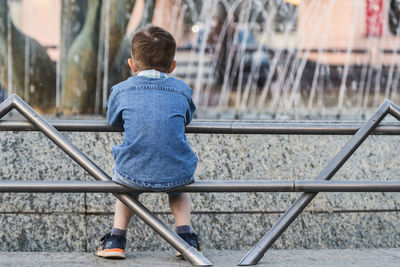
43	232
220	258
334	220
241	231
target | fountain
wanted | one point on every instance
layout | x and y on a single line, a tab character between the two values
272	59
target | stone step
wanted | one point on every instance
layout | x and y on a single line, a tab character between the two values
323	257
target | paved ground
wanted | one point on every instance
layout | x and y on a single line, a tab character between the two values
325	257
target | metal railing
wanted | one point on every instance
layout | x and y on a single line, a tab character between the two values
213	186
217	127
309	187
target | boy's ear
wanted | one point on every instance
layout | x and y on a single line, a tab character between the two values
131	64
173	66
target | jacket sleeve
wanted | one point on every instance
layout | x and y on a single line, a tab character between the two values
190	112
114	112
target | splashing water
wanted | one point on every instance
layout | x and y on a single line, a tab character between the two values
271	57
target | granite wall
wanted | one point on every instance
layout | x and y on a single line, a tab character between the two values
75	222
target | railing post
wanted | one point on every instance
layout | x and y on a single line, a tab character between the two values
258	251
192	255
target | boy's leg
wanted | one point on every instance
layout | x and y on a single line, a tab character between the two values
122	216
181	206
113	244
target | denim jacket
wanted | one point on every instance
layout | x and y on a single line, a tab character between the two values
155	153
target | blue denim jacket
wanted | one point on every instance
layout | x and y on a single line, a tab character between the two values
155	153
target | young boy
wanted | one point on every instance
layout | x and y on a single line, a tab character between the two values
154	110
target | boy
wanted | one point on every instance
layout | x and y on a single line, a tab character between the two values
154	110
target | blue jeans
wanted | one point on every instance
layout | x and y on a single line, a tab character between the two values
117	178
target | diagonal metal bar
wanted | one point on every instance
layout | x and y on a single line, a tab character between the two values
6	106
191	254
258	251
394	111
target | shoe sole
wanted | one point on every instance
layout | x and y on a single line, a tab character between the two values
111	254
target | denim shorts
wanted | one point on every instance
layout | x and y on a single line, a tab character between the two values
119	179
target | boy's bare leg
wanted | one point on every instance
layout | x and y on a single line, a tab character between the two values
180	206
113	244
122	216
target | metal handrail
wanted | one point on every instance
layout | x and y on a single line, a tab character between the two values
258	250
189	252
213	186
309	187
217	127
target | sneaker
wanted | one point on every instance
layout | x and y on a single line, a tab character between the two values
112	247
192	239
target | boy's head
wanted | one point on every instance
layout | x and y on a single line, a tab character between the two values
152	48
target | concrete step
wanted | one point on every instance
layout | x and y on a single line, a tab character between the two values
323	257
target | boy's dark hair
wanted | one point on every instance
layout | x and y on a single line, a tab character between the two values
153	48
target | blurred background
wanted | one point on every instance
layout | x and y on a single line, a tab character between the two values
254	59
